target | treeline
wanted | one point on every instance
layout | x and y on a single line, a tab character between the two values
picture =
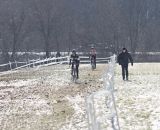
60	25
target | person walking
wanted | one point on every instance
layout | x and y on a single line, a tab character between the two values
123	59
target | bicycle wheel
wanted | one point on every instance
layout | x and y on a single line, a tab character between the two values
74	75
92	64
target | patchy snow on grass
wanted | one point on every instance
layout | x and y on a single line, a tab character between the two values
17	83
137	102
79	119
138	99
26	99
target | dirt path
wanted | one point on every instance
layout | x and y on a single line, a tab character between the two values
36	99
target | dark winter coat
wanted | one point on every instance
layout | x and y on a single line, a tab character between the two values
74	58
58	54
124	58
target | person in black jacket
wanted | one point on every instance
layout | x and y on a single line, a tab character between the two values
123	60
74	58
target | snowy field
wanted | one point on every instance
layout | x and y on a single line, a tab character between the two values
46	99
138	99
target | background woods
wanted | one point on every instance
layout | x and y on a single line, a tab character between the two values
60	25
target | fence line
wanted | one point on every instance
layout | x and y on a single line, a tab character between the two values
18	62
47	59
27	65
92	113
45	62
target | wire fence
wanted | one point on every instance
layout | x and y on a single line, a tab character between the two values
31	68
17	65
101	106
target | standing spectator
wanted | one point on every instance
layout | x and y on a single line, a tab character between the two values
93	55
123	60
58	55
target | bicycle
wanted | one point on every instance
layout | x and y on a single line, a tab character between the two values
93	66
74	72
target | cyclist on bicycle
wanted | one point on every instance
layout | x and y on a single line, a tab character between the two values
93	55
74	58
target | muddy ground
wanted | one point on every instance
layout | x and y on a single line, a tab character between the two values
35	99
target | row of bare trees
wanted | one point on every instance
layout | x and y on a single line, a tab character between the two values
60	25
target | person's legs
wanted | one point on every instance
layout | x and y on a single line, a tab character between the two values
126	68
123	72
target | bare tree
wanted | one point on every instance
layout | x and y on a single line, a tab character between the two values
12	26
134	19
16	30
55	25
45	13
